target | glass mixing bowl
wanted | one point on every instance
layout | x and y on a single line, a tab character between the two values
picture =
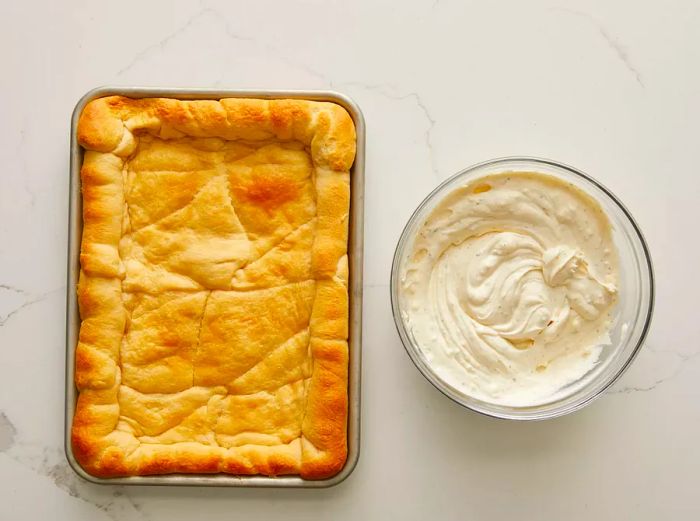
633	309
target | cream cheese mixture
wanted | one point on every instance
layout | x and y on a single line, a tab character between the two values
509	287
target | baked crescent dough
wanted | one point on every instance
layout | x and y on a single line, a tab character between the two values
213	288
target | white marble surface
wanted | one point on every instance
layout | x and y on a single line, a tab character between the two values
612	87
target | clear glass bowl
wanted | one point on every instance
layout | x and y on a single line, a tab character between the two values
634	307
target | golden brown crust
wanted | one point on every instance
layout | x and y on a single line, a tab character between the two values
325	424
103	200
325	127
209	224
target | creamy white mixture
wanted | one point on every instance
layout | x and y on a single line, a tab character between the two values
510	286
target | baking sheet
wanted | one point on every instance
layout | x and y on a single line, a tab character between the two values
355	256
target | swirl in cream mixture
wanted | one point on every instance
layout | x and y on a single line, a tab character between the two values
509	287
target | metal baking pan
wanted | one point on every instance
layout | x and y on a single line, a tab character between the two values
355	254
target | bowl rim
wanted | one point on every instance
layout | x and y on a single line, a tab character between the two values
437	382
